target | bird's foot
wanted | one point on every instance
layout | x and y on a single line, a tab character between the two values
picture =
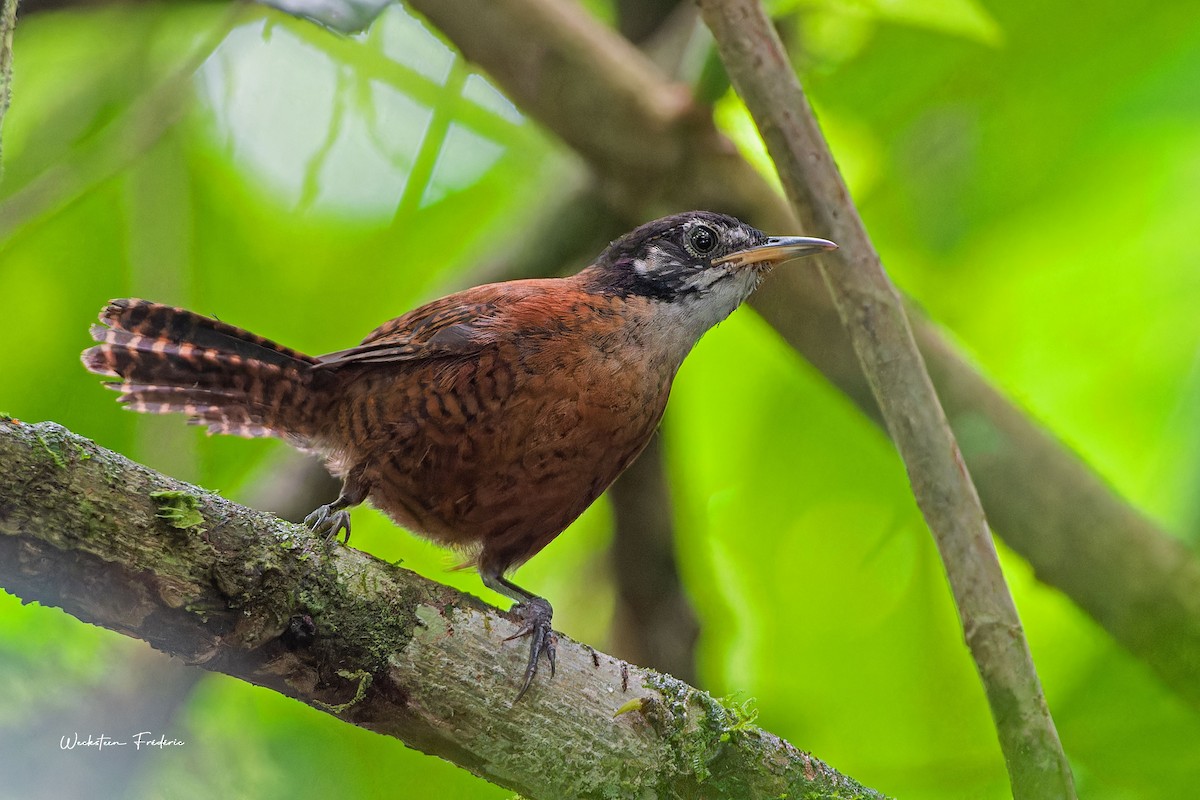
329	520
535	615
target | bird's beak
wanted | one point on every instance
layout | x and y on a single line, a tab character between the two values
777	250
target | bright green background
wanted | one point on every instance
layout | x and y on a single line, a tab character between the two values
1028	170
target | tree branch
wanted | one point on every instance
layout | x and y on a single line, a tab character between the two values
873	314
553	60
8	24
241	592
654	622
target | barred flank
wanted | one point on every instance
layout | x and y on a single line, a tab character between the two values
172	360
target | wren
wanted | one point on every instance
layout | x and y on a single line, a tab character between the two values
487	420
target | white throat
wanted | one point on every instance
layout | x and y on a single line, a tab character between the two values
681	323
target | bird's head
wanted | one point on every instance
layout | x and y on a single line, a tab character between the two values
699	265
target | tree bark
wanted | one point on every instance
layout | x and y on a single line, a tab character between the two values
244	593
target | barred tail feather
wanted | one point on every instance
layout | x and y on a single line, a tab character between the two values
172	360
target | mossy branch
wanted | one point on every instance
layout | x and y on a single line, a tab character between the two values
241	592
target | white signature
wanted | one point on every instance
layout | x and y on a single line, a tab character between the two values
145	739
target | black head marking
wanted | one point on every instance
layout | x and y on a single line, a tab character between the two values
660	260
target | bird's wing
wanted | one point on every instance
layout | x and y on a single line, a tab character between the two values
457	325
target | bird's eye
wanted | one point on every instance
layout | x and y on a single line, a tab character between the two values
703	239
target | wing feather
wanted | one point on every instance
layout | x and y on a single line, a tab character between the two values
458	325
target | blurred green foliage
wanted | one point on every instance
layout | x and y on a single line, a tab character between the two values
1028	171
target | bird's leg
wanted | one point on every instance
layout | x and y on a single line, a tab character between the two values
332	518
535	614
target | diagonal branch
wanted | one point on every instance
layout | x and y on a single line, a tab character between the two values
873	314
241	592
560	66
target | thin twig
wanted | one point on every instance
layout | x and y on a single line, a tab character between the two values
873	314
8	25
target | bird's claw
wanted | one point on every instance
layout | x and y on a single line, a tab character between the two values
329	521
535	615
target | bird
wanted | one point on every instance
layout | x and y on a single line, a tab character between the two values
487	420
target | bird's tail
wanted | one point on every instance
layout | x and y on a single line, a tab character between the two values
169	359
